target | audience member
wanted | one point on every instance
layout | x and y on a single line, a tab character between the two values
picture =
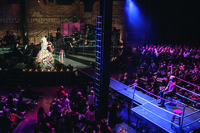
169	91
41	115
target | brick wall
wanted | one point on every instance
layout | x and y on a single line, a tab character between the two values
9	18
47	17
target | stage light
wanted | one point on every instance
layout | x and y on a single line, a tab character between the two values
61	70
36	70
55	70
135	18
30	70
48	70
67	70
0	69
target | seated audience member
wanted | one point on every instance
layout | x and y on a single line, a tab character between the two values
65	103
6	122
195	97
45	127
28	93
78	98
120	78
82	106
18	92
104	128
10	103
88	112
22	105
74	115
2	103
41	115
73	93
153	90
89	129
113	118
125	80
68	122
170	91
56	109
91	122
60	92
90	87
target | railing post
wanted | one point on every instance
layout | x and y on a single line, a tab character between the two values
134	85
182	116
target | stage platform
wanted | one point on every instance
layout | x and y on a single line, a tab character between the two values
155	114
148	109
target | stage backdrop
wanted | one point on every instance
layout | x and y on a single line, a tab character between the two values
69	28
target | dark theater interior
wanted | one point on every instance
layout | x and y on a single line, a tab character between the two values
99	66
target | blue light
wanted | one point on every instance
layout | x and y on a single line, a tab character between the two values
134	16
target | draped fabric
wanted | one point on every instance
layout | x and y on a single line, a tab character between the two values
64	29
69	28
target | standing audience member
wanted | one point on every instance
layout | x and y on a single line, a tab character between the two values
65	103
41	115
60	92
10	102
91	98
113	118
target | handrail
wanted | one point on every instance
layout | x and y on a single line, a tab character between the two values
183	110
159	97
187	82
186	97
188	90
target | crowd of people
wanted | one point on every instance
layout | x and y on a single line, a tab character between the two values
158	62
14	106
71	112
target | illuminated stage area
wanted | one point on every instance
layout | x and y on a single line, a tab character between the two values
132	65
